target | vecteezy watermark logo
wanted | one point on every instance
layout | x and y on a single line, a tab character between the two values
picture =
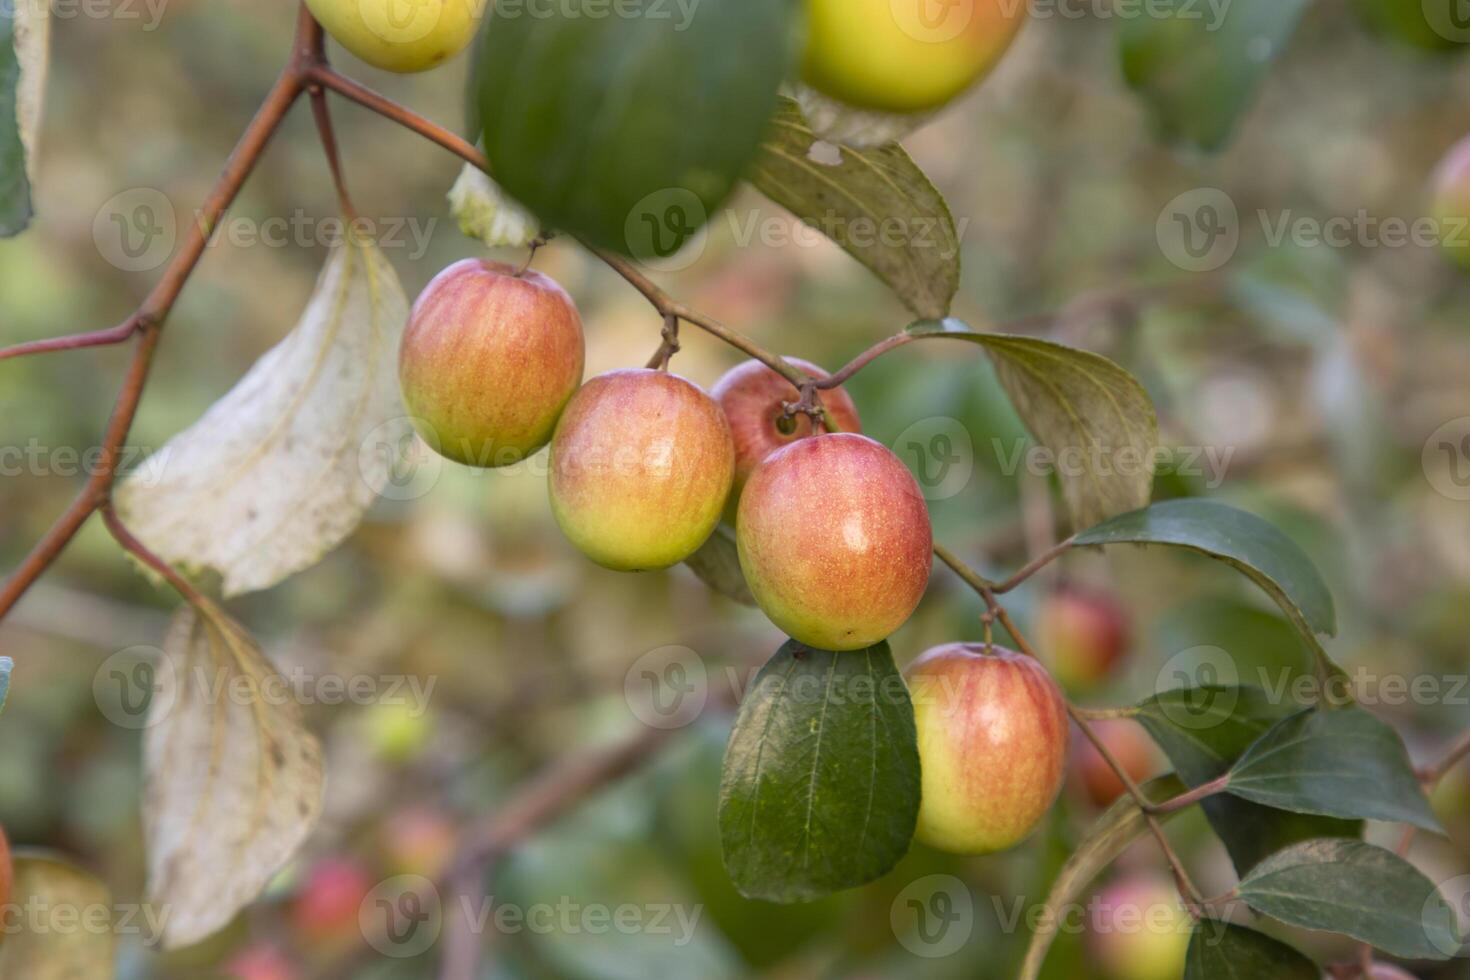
941	455
1446	459
1456	894
404	21
681	12
135	688
667	230
136	230
933	916
402	917
1206	685
1199	231
667	688
933	21
150	12
1450	19
396	463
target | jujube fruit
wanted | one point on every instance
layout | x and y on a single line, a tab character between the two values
641	464
1082	634
754	399
378	32
835	541
489	360
992	745
1139	930
895	56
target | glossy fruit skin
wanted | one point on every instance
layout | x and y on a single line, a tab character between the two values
377	31
1082	635
489	360
835	541
1139	930
754	399
992	744
1451	202
641	465
1129	744
893	56
327	905
1386	971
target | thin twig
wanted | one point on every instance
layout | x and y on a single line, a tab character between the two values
149	319
98	338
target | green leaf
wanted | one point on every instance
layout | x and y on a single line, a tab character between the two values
629	131
1094	417
717	564
36	946
1203	730
876	203
1198	69
1110	835
1252	546
1221	951
1343	763
1358	890
820	790
24	52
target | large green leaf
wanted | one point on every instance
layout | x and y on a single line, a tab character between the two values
820	790
1254	547
24	45
629	130
1358	890
876	203
1110	835
1094	417
1198	65
1336	764
1221	951
1203	730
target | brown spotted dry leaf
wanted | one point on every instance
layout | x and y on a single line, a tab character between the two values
61	925
282	468
233	780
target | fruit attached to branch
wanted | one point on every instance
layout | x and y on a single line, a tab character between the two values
993	746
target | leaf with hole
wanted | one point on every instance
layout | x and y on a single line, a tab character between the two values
232	779
820	790
25	30
1222	951
1203	730
1250	545
1356	889
1343	763
1108	837
1095	418
282	468
875	203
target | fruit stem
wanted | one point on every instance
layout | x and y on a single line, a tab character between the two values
670	345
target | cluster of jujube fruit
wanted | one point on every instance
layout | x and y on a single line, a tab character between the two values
832	530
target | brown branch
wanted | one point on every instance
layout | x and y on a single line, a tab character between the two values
1032	567
97	338
147	323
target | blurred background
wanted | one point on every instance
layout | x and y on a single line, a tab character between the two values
1305	382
